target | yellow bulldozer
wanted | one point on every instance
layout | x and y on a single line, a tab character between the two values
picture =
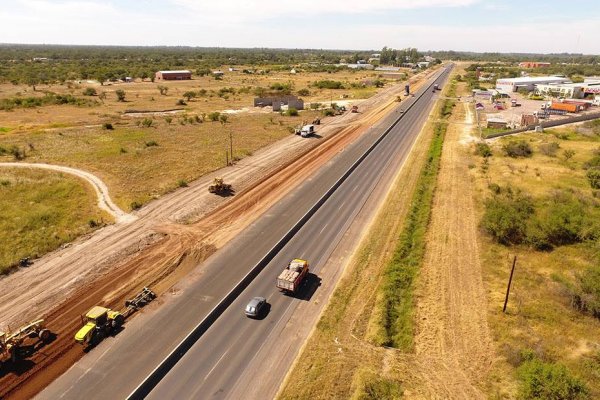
11	343
219	186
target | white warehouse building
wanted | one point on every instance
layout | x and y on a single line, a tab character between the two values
509	85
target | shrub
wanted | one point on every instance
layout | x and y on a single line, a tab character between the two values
189	95
568	154
151	143
135	205
223	118
593	175
147	122
587	292
381	389
163	90
506	215
107	126
517	148
483	149
120	94
540	380
181	102
304	92
168	120
328	84
562	221
214	116
549	149
594	162
291	112
328	112
281	88
447	107
182	183
18	153
89	92
315	106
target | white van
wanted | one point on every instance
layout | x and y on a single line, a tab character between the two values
307	130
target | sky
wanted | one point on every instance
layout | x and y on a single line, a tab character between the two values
533	26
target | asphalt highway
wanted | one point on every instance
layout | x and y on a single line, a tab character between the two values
221	356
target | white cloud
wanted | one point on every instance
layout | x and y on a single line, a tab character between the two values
68	9
240	10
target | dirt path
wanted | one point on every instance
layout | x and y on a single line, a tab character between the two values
104	200
157	250
453	344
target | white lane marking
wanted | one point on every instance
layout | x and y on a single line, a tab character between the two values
323	228
216	364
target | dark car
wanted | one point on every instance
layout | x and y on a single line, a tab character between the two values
255	307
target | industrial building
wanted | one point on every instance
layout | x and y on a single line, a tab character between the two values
588	88
173	75
509	85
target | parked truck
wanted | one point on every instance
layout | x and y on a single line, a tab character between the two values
293	275
572	108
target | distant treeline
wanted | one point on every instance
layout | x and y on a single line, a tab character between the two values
554	58
39	64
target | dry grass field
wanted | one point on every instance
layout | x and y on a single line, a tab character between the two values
140	163
147	155
540	317
42	210
146	96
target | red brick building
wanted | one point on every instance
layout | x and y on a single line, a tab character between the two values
534	64
173	75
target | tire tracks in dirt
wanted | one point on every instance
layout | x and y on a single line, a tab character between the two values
453	344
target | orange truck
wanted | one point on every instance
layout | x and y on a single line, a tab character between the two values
293	275
568	107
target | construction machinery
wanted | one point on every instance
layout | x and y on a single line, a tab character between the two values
100	322
12	343
293	275
354	109
219	186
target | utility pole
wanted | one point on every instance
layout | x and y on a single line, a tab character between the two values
512	271
231	145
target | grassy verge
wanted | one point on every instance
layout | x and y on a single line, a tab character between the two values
339	361
396	304
41	211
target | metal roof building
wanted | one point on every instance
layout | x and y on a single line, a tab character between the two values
510	85
173	75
